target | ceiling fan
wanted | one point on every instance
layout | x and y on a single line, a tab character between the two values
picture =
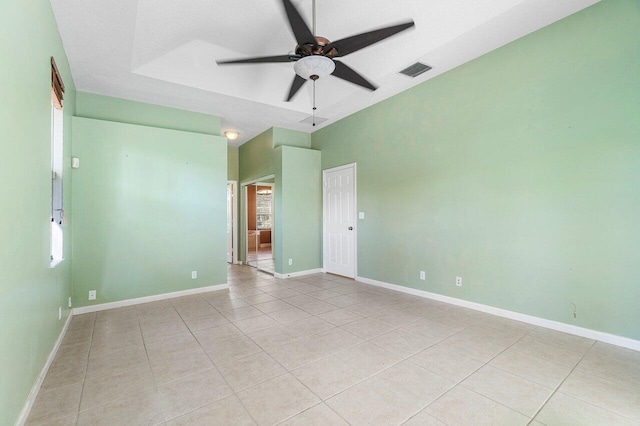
314	56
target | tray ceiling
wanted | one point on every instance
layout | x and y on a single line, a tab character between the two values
164	51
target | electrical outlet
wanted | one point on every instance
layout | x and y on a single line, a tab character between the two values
69	303
361	215
59	313
459	281
422	275
290	261
194	275
92	295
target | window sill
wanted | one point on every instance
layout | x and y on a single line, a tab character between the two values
55	263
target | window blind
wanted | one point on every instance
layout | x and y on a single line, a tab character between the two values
57	86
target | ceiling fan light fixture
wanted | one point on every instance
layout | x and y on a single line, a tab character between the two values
232	135
314	65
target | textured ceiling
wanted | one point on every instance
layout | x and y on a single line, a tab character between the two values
165	51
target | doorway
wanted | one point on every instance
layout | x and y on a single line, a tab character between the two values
232	220
259	230
339	217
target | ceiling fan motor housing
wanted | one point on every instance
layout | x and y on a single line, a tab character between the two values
318	48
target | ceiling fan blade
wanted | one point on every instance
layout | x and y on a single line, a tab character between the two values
296	84
301	31
261	60
344	72
360	41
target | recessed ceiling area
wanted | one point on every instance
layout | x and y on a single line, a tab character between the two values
165	51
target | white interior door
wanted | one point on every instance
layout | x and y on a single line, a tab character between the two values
230	223
339	211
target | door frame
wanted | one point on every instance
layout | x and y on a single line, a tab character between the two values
353	166
234	218
245	234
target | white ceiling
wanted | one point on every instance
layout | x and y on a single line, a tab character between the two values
164	51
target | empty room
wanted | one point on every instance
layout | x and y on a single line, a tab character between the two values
314	212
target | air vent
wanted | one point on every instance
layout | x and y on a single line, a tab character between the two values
309	120
415	69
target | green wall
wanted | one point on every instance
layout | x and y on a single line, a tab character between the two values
149	208
275	152
291	138
256	157
124	111
518	171
233	167
30	291
255	160
298	210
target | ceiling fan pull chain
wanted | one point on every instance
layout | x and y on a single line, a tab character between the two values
314	103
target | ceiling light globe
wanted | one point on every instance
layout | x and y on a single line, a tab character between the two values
231	135
314	65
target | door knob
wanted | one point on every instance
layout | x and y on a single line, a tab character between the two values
351	228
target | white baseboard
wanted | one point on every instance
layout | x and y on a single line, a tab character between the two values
613	339
22	417
147	299
299	273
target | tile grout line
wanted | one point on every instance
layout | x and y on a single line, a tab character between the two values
234	393
290	372
390	366
222	375
461	381
561	383
212	360
84	379
86	369
455	384
144	342
153	376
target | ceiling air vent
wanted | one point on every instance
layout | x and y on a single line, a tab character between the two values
309	120
415	69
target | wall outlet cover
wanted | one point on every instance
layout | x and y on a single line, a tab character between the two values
459	281
290	261
92	295
194	275
361	215
422	275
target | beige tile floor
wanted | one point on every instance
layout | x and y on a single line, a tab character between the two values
324	350
262	259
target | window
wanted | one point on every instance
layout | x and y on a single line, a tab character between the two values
57	210
263	208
